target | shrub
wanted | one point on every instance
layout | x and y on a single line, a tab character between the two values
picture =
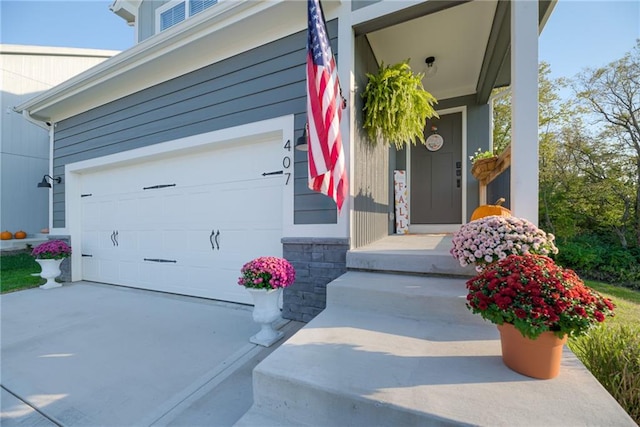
595	258
612	354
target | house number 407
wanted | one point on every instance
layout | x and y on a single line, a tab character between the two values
286	161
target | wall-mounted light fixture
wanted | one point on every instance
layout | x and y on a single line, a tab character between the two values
45	184
430	68
301	143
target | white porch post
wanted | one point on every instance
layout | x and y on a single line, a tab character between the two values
524	113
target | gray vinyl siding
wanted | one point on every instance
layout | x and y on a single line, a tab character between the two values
147	18
371	170
259	84
500	187
359	4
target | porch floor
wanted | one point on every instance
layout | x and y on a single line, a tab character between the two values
409	253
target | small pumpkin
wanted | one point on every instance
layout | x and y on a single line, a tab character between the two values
20	234
6	235
488	210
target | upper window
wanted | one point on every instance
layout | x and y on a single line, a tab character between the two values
196	6
175	12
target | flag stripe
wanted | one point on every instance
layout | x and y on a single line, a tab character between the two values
327	171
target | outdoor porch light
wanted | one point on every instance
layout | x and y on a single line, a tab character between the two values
301	143
430	68
45	184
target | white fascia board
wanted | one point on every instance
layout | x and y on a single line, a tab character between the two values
193	44
382	8
17	49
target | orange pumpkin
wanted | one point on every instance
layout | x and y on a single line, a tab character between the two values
5	235
20	234
488	210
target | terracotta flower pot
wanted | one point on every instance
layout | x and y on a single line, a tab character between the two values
539	358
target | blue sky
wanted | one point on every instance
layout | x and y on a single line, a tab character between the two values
579	34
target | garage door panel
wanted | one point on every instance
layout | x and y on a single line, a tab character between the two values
129	272
90	268
221	191
149	241
109	270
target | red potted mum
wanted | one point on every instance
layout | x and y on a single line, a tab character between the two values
536	301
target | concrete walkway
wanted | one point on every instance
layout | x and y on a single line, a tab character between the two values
96	355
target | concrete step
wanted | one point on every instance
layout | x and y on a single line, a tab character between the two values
402	295
258	417
418	254
347	368
354	366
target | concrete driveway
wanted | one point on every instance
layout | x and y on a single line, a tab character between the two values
89	354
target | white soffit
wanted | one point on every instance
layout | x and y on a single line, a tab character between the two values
457	37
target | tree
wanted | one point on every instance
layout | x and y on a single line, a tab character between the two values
612	93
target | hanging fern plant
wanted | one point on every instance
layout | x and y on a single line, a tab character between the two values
396	106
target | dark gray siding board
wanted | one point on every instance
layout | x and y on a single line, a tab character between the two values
259	84
193	85
179	115
371	203
359	4
500	187
147	18
257	62
177	131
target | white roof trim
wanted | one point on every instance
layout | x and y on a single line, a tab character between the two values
148	63
17	49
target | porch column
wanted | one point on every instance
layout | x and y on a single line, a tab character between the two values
524	112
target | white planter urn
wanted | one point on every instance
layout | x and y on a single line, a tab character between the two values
50	270
265	313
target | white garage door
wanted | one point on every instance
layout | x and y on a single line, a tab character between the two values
184	224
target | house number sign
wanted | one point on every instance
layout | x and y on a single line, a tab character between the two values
286	161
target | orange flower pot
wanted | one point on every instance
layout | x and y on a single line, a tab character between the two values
539	358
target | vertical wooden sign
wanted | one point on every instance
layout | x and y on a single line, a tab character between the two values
401	204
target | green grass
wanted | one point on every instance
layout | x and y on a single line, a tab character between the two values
16	272
627	302
612	351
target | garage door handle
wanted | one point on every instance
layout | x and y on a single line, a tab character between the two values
160	260
113	238
211	237
217	243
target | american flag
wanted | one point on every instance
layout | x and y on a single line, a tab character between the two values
327	171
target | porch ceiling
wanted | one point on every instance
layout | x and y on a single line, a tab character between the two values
457	37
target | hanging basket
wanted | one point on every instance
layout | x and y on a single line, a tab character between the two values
482	168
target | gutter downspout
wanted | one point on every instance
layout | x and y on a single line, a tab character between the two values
49	127
51	139
28	118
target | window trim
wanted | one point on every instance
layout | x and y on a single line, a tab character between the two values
170	5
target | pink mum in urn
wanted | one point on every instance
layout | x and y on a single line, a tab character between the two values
267	272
